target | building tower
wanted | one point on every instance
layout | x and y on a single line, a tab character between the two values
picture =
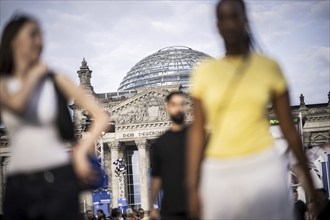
80	119
85	74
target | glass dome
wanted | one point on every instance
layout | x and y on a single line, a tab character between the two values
168	66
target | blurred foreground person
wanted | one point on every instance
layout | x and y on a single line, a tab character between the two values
230	96
168	163
42	178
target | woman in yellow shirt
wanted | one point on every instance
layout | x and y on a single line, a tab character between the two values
241	175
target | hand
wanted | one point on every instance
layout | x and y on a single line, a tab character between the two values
82	166
154	214
194	206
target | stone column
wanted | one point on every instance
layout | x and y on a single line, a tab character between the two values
107	165
114	147
148	146
148	149
141	145
3	173
86	200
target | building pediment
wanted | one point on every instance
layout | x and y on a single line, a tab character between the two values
320	137
145	107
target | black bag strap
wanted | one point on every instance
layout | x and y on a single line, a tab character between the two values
63	120
233	84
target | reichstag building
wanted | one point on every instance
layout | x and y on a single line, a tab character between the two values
138	117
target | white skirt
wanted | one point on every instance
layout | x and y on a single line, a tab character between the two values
249	187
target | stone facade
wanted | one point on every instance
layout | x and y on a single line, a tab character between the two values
316	121
137	118
141	118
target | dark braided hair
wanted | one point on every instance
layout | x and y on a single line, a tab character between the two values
249	36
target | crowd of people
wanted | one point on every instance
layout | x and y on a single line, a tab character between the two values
116	214
222	166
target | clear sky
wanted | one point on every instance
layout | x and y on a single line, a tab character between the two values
115	35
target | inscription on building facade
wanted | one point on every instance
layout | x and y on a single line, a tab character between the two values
140	134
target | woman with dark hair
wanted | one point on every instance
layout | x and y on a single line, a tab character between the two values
42	177
238	174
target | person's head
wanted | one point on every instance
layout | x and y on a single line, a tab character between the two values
322	194
130	214
295	195
175	106
141	213
21	39
232	22
100	213
129	211
116	213
89	214
136	214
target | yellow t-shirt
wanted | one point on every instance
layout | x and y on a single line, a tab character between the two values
244	127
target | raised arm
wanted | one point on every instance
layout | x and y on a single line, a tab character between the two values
195	151
89	103
100	124
283	110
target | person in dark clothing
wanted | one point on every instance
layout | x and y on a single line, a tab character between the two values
325	205
168	162
300	208
90	215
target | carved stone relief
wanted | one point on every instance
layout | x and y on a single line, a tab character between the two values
147	108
